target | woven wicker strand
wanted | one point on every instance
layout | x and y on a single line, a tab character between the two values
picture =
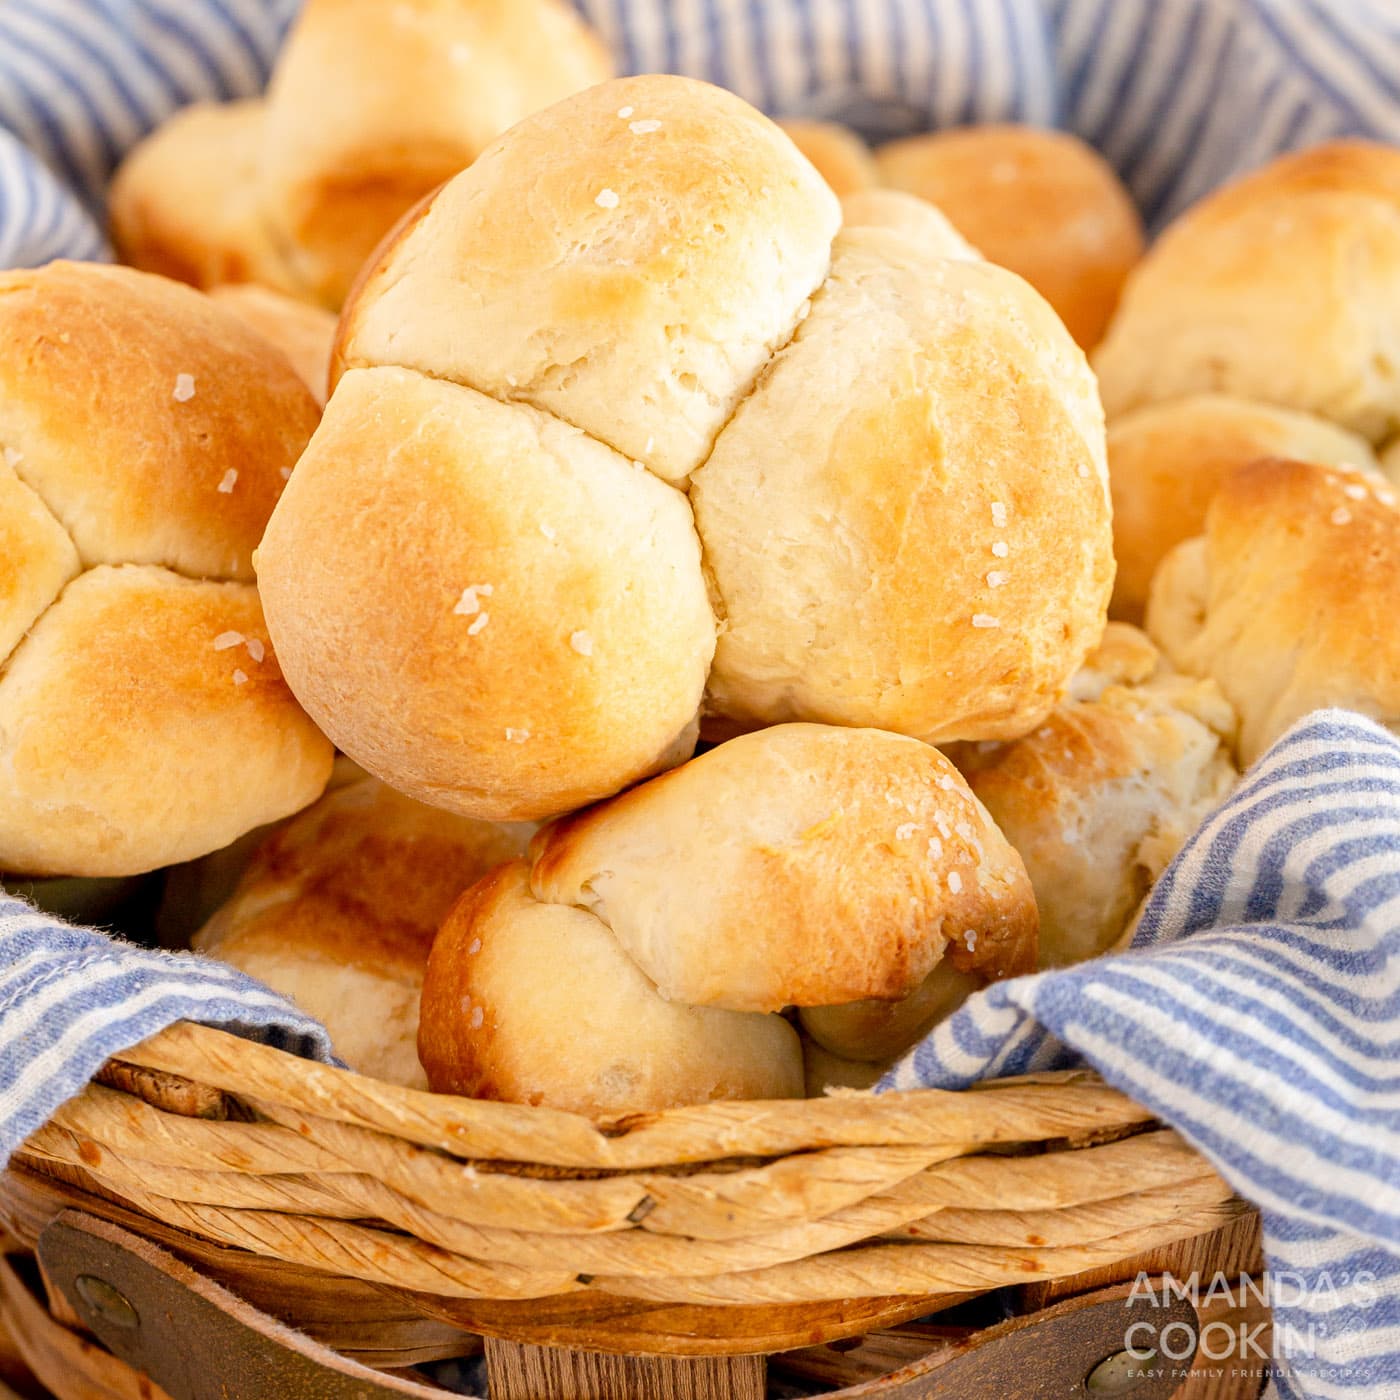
720	1206
1029	1109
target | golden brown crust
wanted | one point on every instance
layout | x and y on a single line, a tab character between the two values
185	202
631	274
800	865
372	105
1166	461
154	425
1203	313
500	1021
1288	600
135	732
845	600
528	619
1101	796
842	159
303	333
1041	203
38	556
338	911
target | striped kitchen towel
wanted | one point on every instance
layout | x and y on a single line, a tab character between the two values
1260	1011
1259	1014
1178	94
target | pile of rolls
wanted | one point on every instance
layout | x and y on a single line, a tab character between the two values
702	563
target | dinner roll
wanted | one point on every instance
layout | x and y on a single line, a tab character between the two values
907	214
1099	799
303	333
135	732
186	202
1282	287
537	1003
486	608
637	289
338	910
948	600
1166	461
875	1033
842	159
1042	203
1288	599
802	865
371	106
144	436
628	259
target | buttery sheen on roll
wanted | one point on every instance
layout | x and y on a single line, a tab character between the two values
632	292
802	865
144	436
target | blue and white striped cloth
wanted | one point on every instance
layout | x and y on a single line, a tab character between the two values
1261	1012
1178	94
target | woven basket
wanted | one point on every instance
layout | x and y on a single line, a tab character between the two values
730	1227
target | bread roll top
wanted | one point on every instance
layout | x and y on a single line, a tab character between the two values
907	570
1282	287
1288	598
154	425
628	260
800	865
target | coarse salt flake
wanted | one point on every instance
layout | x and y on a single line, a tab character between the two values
225	640
935	848
607	199
474	946
546	530
469	604
625	112
955	882
517	736
970	938
184	388
644	128
226	485
985	620
903	833
240	678
285	473
1083	469
581	642
479	622
946	783
997	577
478	1016
1357	493
998	513
256	650
1001	549
1341	516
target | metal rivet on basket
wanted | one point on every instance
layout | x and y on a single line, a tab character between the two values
107	1302
1118	1374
